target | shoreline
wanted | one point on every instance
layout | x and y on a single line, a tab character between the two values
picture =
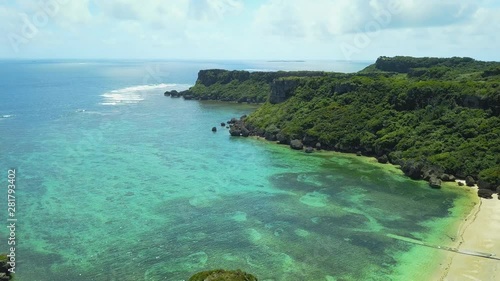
477	233
474	233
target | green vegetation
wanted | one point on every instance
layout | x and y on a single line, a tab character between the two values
246	91
222	275
239	86
4	268
429	115
492	176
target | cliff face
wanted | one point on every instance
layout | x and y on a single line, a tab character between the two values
282	89
213	76
430	126
244	86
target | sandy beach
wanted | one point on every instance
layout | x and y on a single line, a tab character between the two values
479	233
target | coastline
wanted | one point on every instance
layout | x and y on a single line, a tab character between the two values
475	223
477	233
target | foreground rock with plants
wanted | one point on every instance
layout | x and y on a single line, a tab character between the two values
5	274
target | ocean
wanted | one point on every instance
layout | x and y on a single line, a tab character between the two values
114	181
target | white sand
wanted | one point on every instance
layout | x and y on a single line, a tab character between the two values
480	233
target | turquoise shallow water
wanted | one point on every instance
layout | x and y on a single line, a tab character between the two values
117	182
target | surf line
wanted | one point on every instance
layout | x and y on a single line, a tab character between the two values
445	248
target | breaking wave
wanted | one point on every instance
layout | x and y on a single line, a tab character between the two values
135	94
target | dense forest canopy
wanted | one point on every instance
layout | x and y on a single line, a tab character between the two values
439	114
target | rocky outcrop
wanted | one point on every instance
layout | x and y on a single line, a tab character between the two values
482	184
485	193
245	132
281	138
235	132
412	169
214	129
446	177
435	182
238	128
383	159
470	181
429	171
271	133
296	144
170	93
187	95
416	170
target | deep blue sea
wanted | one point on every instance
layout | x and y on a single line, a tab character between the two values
114	181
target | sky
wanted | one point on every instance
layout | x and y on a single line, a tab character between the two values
249	29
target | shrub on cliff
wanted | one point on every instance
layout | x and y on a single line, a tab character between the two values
490	177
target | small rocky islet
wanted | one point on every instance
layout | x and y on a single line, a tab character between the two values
436	118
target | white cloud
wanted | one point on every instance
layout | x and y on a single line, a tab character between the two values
265	29
301	18
72	12
210	10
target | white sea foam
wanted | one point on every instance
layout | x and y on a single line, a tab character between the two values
6	116
135	94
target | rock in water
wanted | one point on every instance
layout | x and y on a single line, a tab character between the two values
171	93
223	124
309	149
434	182
296	144
214	129
281	138
383	159
446	177
245	132
235	132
